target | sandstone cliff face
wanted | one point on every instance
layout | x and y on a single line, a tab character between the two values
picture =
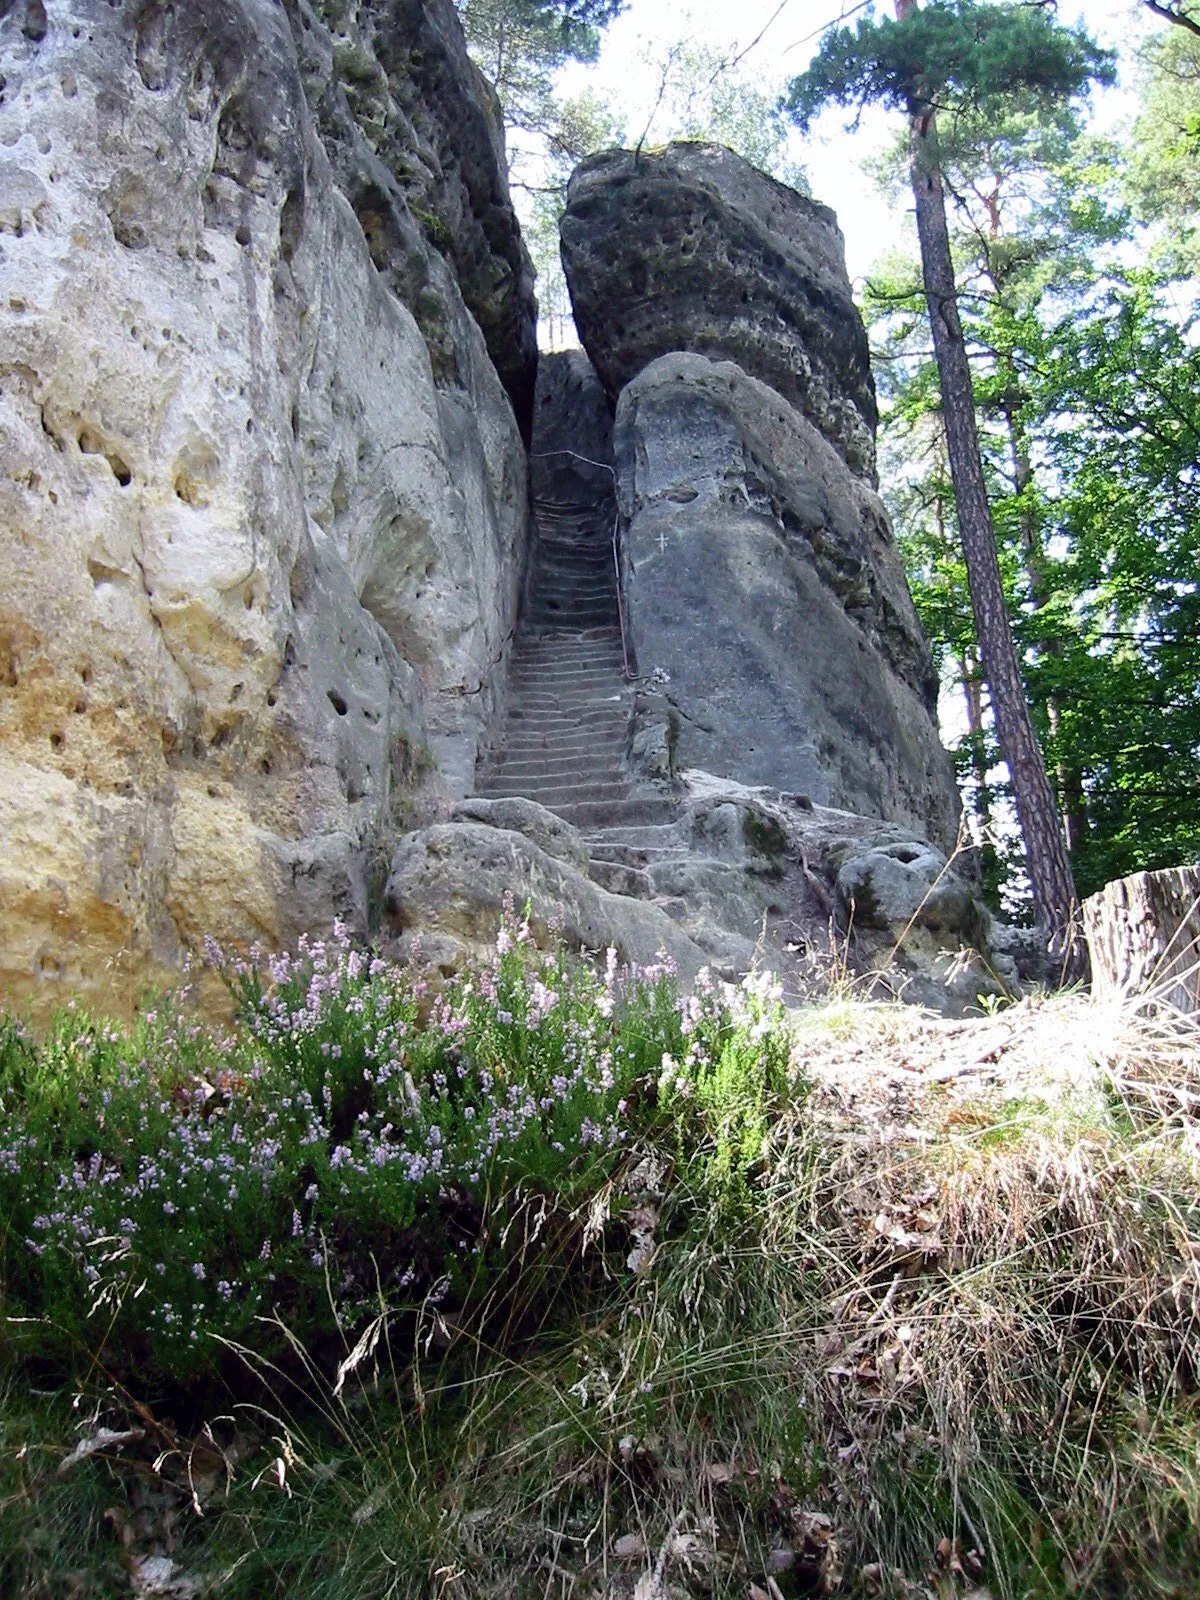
773	628
691	248
262	489
775	637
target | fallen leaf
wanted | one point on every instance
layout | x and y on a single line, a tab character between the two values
156	1576
630	1547
102	1439
690	1551
642	1221
373	1503
814	1527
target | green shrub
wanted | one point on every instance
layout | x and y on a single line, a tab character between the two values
173	1187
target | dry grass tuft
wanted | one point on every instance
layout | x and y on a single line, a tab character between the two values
943	1343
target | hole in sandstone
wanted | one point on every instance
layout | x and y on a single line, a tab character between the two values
50	964
85	674
56	741
236	692
91	444
272	697
243	235
100	572
338	704
35	22
248	598
264	767
291	222
80	707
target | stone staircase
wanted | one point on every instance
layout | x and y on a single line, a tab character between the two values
564	737
569	704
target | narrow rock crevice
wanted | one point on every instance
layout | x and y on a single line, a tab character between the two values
564	738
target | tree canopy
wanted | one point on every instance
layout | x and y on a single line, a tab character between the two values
520	44
950	54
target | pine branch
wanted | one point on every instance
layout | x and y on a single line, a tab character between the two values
1173	13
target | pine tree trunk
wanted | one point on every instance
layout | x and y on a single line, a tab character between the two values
1070	783
1055	901
972	685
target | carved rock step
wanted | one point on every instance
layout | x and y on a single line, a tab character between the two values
567	722
555	796
601	814
602	849
566	747
619	879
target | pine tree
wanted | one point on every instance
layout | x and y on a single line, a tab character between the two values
958	54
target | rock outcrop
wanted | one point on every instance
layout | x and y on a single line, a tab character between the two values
262	490
691	248
775	637
744	737
415	136
449	884
764	570
734	877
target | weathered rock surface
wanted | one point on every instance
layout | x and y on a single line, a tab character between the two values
691	248
262	492
774	633
449	883
415	135
740	877
519	815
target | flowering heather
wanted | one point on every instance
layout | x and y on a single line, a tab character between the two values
354	1135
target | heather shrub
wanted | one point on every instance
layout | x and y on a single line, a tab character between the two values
353	1141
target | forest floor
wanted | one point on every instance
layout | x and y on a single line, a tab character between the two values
932	1331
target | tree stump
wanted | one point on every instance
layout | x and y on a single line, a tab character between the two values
1144	936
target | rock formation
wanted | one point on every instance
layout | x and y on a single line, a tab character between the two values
773	628
279	639
781	774
688	771
264	319
691	248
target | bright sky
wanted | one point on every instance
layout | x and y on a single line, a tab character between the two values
627	75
